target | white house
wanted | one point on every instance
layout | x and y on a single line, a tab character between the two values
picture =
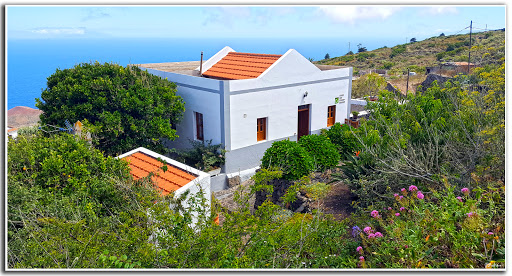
247	101
13	132
178	178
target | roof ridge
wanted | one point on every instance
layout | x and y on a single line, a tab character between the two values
255	54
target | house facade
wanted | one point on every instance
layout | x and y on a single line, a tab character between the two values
248	101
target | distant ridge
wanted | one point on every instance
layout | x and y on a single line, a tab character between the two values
21	116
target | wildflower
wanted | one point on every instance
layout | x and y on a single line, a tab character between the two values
470	214
400	198
402	208
359	249
371	236
420	195
490	233
367	230
24	168
378	235
459	198
355	231
426	239
397	214
465	191
389	208
395	195
375	213
357	153
361	259
403	190
406	246
413	188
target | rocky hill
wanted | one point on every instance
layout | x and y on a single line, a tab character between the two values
416	56
21	116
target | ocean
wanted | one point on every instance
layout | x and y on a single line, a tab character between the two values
30	61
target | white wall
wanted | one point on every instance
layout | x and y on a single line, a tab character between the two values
291	76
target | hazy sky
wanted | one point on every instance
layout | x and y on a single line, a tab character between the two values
377	21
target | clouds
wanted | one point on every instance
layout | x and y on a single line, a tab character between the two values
229	16
438	10
352	14
95	13
59	31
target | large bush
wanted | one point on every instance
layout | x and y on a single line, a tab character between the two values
324	153
344	138
290	158
128	107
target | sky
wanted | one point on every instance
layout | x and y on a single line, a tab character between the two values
304	21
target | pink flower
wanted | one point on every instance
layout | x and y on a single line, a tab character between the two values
465	191
403	190
470	214
375	213
389	208
371	236
378	235
490	233
402	208
359	249
397	214
413	188
459	198
406	246
367	230
361	259
400	198
420	195
395	195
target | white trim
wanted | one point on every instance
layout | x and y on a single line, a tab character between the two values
215	58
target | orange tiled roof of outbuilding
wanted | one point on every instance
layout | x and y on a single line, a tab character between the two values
238	66
174	178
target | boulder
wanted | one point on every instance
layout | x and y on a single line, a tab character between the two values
431	78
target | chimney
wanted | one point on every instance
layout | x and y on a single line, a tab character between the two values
201	65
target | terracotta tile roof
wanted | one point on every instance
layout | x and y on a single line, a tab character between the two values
174	178
239	66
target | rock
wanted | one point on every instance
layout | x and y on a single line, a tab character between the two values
391	88
300	204
234	181
430	79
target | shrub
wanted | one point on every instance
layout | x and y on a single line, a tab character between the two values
397	50
322	150
288	156
203	155
343	138
387	65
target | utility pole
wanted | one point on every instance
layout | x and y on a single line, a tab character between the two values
469	55
407	86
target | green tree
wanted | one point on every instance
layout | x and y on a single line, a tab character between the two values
368	85
322	150
413	40
289	157
327	56
124	107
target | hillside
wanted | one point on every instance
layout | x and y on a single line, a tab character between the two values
486	47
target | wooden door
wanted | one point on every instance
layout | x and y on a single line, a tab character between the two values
261	129
303	121
331	115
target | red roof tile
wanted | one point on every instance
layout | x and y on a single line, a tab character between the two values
238	66
174	178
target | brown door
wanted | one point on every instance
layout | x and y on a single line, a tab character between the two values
303	121
331	115
261	129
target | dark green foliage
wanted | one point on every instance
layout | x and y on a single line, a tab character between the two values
344	138
413	40
203	155
360	48
397	50
289	157
387	65
441	35
322	150
127	107
349	53
327	56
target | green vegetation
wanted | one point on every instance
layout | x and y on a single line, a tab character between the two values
368	85
428	175
123	107
203	155
324	153
432	51
290	157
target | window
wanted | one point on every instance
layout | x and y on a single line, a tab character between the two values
199	126
261	129
331	115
